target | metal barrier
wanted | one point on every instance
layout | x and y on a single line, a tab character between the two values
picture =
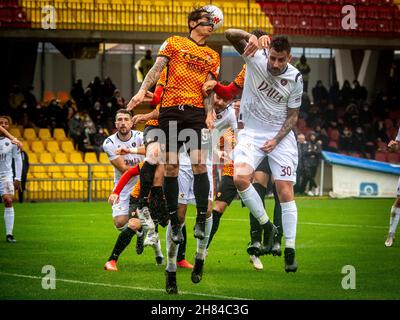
135	16
69	182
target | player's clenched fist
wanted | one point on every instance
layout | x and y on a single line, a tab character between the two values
113	198
208	86
136	99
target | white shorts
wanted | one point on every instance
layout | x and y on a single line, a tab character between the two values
283	159
122	207
398	188
185	181
6	187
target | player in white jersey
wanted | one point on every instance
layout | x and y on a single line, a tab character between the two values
8	184
395	212
269	110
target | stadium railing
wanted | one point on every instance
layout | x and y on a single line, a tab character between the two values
69	182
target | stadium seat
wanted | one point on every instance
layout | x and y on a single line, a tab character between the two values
32	157
67	147
44	134
381	156
39	172
60	158
52	147
100	172
70	172
393	157
55	172
90	157
46	158
37	146
29	134
103	158
59	134
76	158
15	132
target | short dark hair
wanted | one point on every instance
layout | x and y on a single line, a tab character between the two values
280	43
196	14
259	33
124	111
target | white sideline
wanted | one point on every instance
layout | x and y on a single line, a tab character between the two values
123	287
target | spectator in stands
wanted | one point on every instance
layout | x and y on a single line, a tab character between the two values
15	100
75	128
360	93
346	140
87	100
314	116
96	89
311	156
97	140
366	117
330	114
334	94
54	114
117	100
346	93
305	70
30	100
350	117
321	135
305	106
301	146
319	93
110	111
143	65
77	93
97	113
108	88
359	141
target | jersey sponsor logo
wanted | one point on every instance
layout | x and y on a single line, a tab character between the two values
7	144
283	82
191	58
133	144
270	91
131	162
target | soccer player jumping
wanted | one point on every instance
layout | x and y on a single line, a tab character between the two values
190	63
269	110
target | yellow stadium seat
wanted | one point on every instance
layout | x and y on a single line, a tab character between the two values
103	158
76	158
90	157
25	146
55	172
46	158
44	134
15	132
39	172
67	147
52	147
37	146
100	172
29	134
83	171
60	158
110	171
59	134
32	157
70	172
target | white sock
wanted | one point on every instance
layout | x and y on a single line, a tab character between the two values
157	249
394	219
172	250
254	203
202	244
9	220
289	223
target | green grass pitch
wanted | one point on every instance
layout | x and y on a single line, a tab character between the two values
77	238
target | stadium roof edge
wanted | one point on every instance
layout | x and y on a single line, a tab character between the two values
359	163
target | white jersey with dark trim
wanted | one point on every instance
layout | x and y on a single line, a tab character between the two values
265	97
8	151
113	143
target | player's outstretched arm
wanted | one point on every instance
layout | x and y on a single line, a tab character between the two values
288	125
149	81
238	38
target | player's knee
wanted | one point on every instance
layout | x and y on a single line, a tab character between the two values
120	227
120	222
8	201
241	182
153	153
134	224
285	191
220	206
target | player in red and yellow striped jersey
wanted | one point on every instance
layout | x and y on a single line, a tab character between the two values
190	63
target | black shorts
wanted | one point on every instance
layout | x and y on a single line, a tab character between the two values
264	166
227	190
150	134
183	122
133	205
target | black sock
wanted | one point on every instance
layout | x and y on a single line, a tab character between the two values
277	213
216	217
146	181
156	202
171	188
124	239
182	246
201	189
255	229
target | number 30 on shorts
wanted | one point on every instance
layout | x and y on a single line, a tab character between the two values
286	171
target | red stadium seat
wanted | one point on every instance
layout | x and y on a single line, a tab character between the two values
381	156
334	135
393	157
